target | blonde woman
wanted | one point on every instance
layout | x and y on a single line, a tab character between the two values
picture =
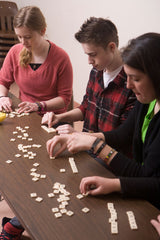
41	69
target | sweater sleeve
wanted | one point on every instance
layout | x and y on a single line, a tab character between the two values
84	103
146	157
7	70
146	188
138	177
121	138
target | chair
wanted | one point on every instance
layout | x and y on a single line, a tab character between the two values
7	35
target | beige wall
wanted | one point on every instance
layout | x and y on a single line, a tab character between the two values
132	18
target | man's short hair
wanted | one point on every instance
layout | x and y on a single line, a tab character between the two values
98	31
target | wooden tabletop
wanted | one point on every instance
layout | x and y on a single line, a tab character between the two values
16	185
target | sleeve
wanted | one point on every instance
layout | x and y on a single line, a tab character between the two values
148	164
129	103
65	81
84	103
121	138
7	70
138	179
146	188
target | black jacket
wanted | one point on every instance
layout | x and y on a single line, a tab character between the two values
140	176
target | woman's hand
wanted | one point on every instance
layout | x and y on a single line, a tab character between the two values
156	224
27	107
5	104
80	141
98	185
50	119
65	129
75	142
52	145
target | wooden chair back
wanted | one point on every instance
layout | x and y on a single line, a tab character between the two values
7	35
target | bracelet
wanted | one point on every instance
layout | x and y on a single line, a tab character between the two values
110	154
100	148
39	106
95	144
43	106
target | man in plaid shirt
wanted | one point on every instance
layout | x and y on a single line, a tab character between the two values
107	101
105	109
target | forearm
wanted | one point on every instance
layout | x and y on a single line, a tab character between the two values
3	90
117	185
55	103
98	135
106	153
71	116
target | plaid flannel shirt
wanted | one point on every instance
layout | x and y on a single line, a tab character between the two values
104	109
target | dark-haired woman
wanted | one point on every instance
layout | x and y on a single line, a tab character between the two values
139	177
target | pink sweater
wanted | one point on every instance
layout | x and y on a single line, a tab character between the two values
52	79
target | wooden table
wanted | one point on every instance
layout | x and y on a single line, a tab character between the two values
38	219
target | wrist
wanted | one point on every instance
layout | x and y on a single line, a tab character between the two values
109	155
105	152
100	148
95	145
117	185
39	107
61	117
43	106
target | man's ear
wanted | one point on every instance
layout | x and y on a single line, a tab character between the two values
111	46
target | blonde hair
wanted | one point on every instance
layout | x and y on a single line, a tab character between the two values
32	18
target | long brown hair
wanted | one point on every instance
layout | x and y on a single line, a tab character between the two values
32	18
143	53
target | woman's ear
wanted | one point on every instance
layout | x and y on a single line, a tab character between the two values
43	31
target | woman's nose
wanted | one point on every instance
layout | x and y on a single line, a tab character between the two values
129	83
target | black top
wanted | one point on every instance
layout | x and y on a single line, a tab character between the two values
35	66
139	177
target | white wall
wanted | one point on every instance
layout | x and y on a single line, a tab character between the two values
64	18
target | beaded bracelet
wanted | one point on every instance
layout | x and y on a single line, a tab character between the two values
44	106
110	154
100	148
39	106
95	144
